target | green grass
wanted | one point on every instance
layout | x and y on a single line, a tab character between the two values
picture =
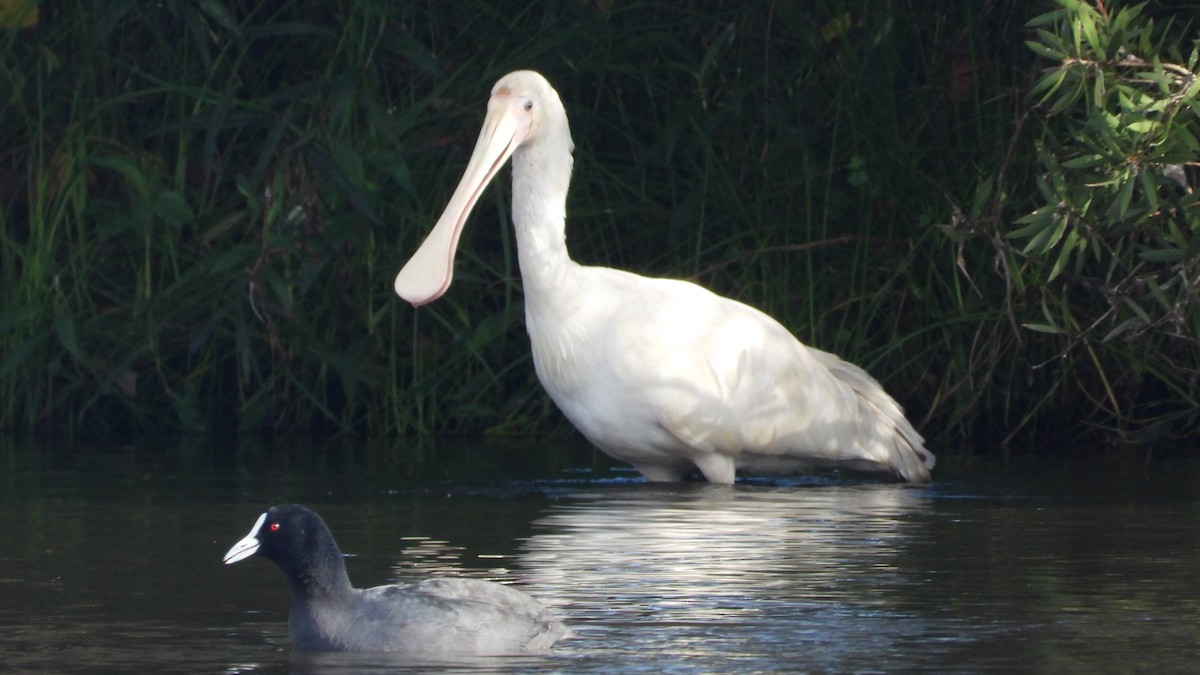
204	205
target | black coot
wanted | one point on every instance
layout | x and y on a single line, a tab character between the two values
432	616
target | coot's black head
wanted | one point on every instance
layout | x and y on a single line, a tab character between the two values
296	539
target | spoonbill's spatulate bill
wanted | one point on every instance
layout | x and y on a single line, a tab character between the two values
436	616
659	373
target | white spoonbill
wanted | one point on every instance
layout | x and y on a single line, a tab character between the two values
659	373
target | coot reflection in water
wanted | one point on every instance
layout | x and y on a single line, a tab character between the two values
1031	566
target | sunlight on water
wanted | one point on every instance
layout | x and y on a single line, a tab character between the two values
712	572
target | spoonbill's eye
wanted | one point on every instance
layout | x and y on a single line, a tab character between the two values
529	105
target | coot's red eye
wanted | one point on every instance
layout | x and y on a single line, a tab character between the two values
274	527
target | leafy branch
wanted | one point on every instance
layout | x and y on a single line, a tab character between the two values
1118	155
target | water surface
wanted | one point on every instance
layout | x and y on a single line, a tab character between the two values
110	560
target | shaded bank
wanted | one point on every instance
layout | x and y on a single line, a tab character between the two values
204	206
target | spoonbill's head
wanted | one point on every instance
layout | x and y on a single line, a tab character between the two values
524	110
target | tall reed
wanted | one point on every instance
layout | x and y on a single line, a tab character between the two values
204	205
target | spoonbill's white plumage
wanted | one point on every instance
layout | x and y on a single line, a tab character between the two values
659	373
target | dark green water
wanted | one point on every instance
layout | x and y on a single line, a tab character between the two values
110	560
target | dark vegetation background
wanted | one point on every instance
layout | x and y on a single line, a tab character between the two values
205	203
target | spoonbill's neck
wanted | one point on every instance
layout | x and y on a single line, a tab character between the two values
541	174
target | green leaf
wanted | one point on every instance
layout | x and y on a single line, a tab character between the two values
1035	222
1088	23
1050	83
245	189
1163	80
1156	292
1161	255
21	354
1177	237
1149	189
173	208
334	177
1044	328
1120	207
231	259
1194	106
1064	254
1043	186
1140	126
1124	17
1046	313
123	166
1085	162
1193	89
1124	327
1098	89
1069	99
1137	309
1123	99
983	192
1059	229
1047	19
286	28
64	326
106	16
1038	240
220	13
1044	51
1186	138
1041	214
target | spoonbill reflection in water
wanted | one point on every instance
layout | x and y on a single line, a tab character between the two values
659	373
